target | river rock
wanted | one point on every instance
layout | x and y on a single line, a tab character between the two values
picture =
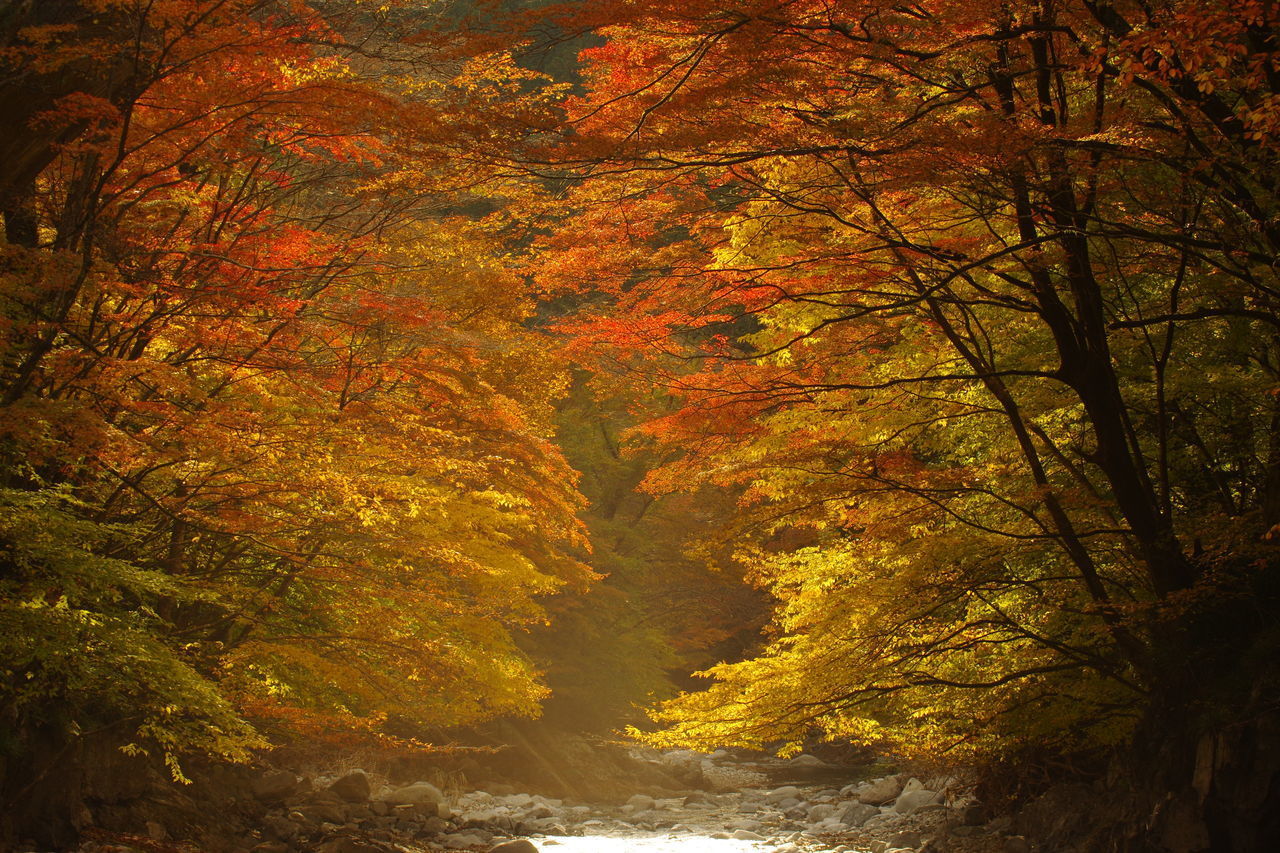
640	803
274	785
416	794
747	835
881	791
687	766
353	787
279	828
857	814
322	812
806	760
787	792
821	812
519	845
909	801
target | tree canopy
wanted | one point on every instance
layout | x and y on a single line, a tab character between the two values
972	305
277	436
360	377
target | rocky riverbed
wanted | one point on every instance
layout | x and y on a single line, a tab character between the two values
738	807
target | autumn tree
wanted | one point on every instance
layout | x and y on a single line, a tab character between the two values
972	305
276	433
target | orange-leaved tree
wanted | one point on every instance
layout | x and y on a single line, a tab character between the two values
973	307
276	434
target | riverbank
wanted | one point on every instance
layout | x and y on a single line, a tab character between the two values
723	803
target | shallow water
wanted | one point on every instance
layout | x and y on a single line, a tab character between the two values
640	842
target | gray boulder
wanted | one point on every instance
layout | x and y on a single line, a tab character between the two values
353	787
274	785
821	812
538	812
909	801
641	803
881	791
419	793
857	814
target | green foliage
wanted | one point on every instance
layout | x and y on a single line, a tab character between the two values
83	644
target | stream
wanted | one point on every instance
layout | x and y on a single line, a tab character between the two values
682	803
803	807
